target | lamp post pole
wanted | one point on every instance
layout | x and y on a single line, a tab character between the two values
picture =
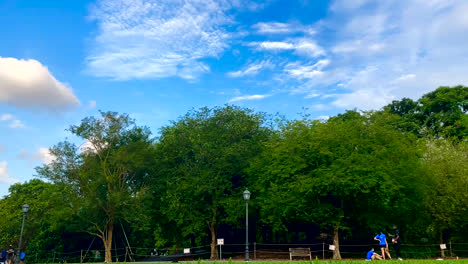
25	211
246	198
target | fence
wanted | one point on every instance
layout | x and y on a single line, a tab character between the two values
257	251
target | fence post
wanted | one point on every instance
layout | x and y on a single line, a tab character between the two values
450	243
323	250
255	250
81	256
53	260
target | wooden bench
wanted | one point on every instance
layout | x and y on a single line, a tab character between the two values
299	252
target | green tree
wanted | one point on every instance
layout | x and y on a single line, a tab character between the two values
204	156
46	218
103	181
351	168
446	198
441	113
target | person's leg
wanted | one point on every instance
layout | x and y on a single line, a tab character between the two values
383	252
388	253
376	256
397	250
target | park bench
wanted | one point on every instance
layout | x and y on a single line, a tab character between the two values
299	252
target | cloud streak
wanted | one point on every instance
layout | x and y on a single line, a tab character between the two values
251	69
249	97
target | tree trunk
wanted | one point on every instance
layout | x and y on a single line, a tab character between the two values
214	249
336	243
108	242
442	252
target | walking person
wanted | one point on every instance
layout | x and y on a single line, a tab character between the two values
383	244
396	241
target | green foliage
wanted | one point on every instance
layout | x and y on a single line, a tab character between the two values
203	156
350	175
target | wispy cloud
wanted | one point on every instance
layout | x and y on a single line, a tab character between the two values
267	28
301	46
92	104
6	117
12	122
154	39
251	69
249	97
306	71
16	124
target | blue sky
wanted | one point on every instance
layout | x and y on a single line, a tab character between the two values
61	61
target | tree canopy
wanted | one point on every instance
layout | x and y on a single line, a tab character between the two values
345	177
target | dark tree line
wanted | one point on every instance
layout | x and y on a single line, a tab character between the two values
349	176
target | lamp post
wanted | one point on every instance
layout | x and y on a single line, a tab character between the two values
25	211
246	199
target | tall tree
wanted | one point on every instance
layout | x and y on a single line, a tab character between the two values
103	180
331	173
446	198
204	156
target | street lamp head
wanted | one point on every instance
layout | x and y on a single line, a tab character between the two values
25	208
246	195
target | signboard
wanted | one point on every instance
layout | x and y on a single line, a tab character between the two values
443	246
220	241
186	250
331	247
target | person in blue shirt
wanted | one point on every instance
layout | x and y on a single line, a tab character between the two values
371	255
383	244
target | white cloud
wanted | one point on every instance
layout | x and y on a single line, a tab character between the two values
273	45
323	117
44	155
385	51
6	117
5	177
16	124
306	71
92	104
12	122
268	28
251	69
29	84
249	97
300	46
155	39
406	77
309	48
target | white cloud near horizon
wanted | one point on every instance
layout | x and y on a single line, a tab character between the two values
249	97
155	39
5	176
42	155
29	84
